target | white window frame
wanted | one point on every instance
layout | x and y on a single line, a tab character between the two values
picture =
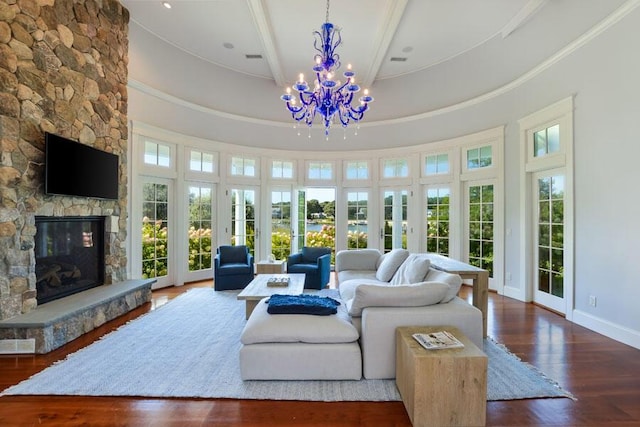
561	113
281	178
256	162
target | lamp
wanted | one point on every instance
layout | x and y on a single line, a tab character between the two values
331	99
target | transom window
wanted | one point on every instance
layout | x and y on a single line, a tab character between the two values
242	166
436	164
395	168
546	141
357	170
157	154
201	162
481	157
320	170
281	169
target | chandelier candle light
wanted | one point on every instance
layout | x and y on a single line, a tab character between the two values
330	98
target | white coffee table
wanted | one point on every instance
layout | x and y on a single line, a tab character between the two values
258	289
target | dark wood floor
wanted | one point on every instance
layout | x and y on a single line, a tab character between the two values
603	374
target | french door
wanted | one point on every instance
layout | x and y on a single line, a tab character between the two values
200	234
156	224
480	227
549	232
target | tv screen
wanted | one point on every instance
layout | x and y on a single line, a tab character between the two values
75	169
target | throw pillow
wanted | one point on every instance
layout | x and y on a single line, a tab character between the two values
389	263
416	295
413	270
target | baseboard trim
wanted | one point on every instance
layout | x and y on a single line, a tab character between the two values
606	328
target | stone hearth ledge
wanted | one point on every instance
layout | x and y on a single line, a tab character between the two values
58	322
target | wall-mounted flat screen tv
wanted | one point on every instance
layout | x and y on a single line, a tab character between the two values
75	169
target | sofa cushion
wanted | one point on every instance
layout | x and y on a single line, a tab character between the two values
453	280
346	275
233	254
347	289
263	327
413	270
389	263
414	295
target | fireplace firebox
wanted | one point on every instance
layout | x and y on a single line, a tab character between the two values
69	255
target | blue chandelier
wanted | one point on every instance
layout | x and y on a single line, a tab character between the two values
330	99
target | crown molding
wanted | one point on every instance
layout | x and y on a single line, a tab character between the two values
585	38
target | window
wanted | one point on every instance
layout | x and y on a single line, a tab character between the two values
436	164
395	168
281	169
320	170
357	170
157	154
241	166
546	141
201	162
479	157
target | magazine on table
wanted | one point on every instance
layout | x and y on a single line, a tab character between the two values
438	340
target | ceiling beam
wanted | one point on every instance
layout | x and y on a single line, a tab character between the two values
263	26
527	11
393	15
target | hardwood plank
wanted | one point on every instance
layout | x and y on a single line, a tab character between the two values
602	373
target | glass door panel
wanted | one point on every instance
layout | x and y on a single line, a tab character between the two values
243	218
394	226
437	217
480	222
281	227
357	219
321	219
549	238
155	233
200	232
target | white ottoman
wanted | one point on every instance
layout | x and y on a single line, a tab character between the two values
299	347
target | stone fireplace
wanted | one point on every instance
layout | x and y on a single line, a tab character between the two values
63	70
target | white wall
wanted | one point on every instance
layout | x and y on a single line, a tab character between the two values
604	76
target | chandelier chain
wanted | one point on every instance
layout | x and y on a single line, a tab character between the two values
326	19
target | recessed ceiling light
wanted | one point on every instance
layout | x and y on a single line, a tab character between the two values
166	4
228	45
407	49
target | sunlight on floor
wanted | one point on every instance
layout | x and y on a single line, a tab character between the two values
159	301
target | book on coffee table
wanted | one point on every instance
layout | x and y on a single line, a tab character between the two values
278	282
438	340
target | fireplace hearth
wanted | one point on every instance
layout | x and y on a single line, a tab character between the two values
69	255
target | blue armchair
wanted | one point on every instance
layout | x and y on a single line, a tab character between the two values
233	268
315	263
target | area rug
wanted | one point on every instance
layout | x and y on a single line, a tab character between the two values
189	348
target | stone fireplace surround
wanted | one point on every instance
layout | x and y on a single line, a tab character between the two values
63	69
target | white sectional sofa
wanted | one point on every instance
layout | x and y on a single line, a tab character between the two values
383	292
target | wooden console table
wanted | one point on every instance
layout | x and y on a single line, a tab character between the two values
478	276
